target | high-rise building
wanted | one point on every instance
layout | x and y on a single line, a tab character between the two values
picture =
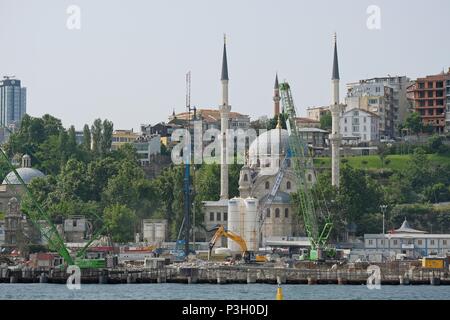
431	99
13	102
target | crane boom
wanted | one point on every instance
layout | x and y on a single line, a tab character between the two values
52	235
310	206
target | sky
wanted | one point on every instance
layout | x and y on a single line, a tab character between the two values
127	61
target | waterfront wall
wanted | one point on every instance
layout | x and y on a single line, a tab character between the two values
228	274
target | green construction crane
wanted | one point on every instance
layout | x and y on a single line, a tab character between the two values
316	216
51	234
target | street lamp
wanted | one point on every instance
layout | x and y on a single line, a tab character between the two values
383	208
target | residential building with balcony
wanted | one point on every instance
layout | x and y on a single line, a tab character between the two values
376	98
430	98
359	126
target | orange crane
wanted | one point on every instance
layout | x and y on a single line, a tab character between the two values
248	256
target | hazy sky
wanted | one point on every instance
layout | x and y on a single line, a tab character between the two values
128	61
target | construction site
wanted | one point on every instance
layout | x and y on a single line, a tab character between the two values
251	247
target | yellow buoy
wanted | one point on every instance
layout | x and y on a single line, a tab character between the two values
279	293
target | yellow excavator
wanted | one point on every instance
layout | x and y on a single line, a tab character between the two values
248	256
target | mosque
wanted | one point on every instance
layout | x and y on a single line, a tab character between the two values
267	155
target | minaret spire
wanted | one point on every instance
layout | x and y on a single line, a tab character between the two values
276	97
224	75
335	108
224	109
335	75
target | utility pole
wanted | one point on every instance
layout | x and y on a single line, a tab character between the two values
187	169
383	208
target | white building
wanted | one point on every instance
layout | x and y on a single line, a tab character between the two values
154	231
360	126
408	241
146	147
376	98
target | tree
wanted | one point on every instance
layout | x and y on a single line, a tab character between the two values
120	222
123	188
96	131
72	146
106	139
436	144
383	152
86	138
414	123
326	121
436	193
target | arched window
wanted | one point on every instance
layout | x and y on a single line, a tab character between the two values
309	177
286	213
277	213
268	213
245	177
288	185
288	163
267	185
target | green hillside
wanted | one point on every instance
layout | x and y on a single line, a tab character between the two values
395	162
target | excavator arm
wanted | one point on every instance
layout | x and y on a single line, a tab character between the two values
221	232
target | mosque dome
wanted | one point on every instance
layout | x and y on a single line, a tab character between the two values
25	172
268	145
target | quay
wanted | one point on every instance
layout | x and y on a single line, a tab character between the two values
228	275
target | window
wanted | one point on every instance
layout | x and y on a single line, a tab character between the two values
345	120
267	185
365	119
245	177
219	216
419	242
74	223
430	94
430	85
309	177
288	185
421	85
430	103
286	213
432	242
268	213
211	216
370	242
225	216
395	242
355	128
382	242
444	242
277	213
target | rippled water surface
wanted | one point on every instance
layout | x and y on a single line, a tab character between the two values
210	291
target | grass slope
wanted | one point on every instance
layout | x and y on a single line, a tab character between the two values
397	162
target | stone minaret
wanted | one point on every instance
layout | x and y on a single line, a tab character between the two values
224	109
276	97
335	108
